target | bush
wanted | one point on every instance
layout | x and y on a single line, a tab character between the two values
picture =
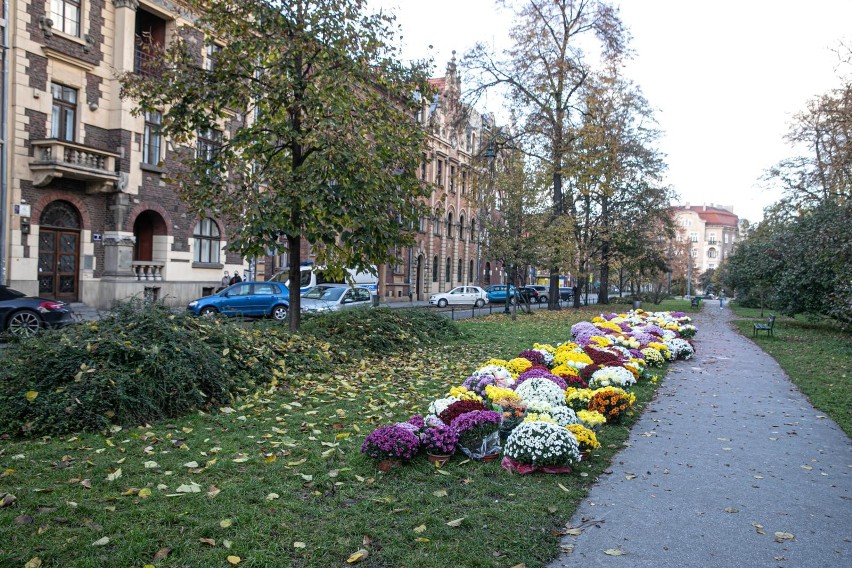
142	363
379	331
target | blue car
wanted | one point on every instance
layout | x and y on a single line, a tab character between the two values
497	293
248	299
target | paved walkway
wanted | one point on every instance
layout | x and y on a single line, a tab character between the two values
728	454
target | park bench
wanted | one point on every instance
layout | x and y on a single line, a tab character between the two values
695	301
767	327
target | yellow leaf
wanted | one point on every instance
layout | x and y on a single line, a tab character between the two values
270	459
440	493
31	396
731	510
225	523
207	541
272	496
295	463
225	351
420	529
782	536
421	539
357	556
613	552
574	532
563	488
298	544
213	491
34	562
101	541
234	560
455	522
144	492
114	475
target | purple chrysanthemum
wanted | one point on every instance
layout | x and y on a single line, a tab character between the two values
439	439
533	356
477	384
539	373
391	442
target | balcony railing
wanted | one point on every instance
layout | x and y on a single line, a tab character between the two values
147	270
62	159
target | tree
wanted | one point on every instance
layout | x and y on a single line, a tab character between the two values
320	142
541	75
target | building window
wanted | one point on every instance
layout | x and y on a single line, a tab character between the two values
693	237
711	253
152	141
421	226
64	112
448	270
213	51
464	182
423	167
439	174
711	238
435	268
693	253
452	179
209	144
66	16
150	38
726	238
450	225
436	225
460	271
207	245
470	272
473	230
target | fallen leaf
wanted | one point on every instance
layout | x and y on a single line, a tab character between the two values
421	539
7	499
758	528
31	395
144	492
213	491
807	467
782	536
272	496
161	554
420	529
192	464
455	522
358	556
101	541
613	552
574	532
298	544
563	488
207	541
234	560
87	483
630	476
226	544
731	510
114	475
191	488
226	523
519	566
34	562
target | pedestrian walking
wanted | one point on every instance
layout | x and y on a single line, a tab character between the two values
235	279
721	301
224	283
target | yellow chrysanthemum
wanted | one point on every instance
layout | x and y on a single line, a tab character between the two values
565	370
544	347
497	362
462	393
518	365
609	325
586	438
563	357
591	418
499	394
533	417
597	319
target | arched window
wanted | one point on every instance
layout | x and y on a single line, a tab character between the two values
449	225
711	253
473	230
448	271
435	269
487	273
461	227
459	273
206	241
470	272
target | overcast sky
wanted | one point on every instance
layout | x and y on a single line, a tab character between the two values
725	77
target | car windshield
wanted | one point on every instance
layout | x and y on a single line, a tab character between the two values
326	294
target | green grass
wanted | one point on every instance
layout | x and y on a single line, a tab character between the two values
303	446
816	355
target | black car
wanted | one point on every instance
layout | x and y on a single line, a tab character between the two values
566	294
528	294
24	316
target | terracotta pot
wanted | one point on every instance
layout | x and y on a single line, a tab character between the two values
438	459
386	465
490	457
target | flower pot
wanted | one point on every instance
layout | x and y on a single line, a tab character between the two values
490	457
438	459
478	448
387	465
584	456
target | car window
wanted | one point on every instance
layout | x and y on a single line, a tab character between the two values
329	294
362	295
240	290
9	293
265	289
457	291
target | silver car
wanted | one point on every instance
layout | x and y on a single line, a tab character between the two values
460	295
333	297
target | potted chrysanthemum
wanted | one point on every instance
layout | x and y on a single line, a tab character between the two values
439	441
390	445
541	444
586	439
479	437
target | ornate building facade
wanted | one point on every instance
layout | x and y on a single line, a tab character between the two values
711	231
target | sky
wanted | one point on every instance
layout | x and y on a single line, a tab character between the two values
726	77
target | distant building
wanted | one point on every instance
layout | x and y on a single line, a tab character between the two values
711	231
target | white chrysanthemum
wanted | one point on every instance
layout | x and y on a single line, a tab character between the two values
542	444
540	389
502	374
612	377
441	404
548	356
539	407
564	415
681	348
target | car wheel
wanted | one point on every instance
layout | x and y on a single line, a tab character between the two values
209	311
479	303
279	312
24	323
442	303
542	299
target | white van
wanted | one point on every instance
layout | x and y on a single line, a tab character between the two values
311	275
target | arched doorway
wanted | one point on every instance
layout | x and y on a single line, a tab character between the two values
59	252
419	282
145	227
487	273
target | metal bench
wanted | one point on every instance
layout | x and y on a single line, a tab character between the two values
767	327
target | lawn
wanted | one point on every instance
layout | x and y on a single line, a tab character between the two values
277	478
816	355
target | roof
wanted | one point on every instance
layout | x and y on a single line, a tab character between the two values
710	214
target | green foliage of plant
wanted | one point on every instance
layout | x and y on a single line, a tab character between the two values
817	356
380	331
139	364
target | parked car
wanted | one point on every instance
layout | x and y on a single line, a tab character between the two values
529	294
460	295
247	299
333	297
566	294
497	293
542	292
24	316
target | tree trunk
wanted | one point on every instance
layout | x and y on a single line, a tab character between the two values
294	245
603	293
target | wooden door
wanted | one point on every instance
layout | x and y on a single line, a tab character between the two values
58	262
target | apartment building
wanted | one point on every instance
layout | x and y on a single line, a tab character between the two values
712	231
88	213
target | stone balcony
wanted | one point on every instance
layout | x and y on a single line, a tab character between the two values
62	159
148	271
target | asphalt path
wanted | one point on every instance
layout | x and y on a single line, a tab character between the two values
729	466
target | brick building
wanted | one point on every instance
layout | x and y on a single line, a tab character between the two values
87	213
